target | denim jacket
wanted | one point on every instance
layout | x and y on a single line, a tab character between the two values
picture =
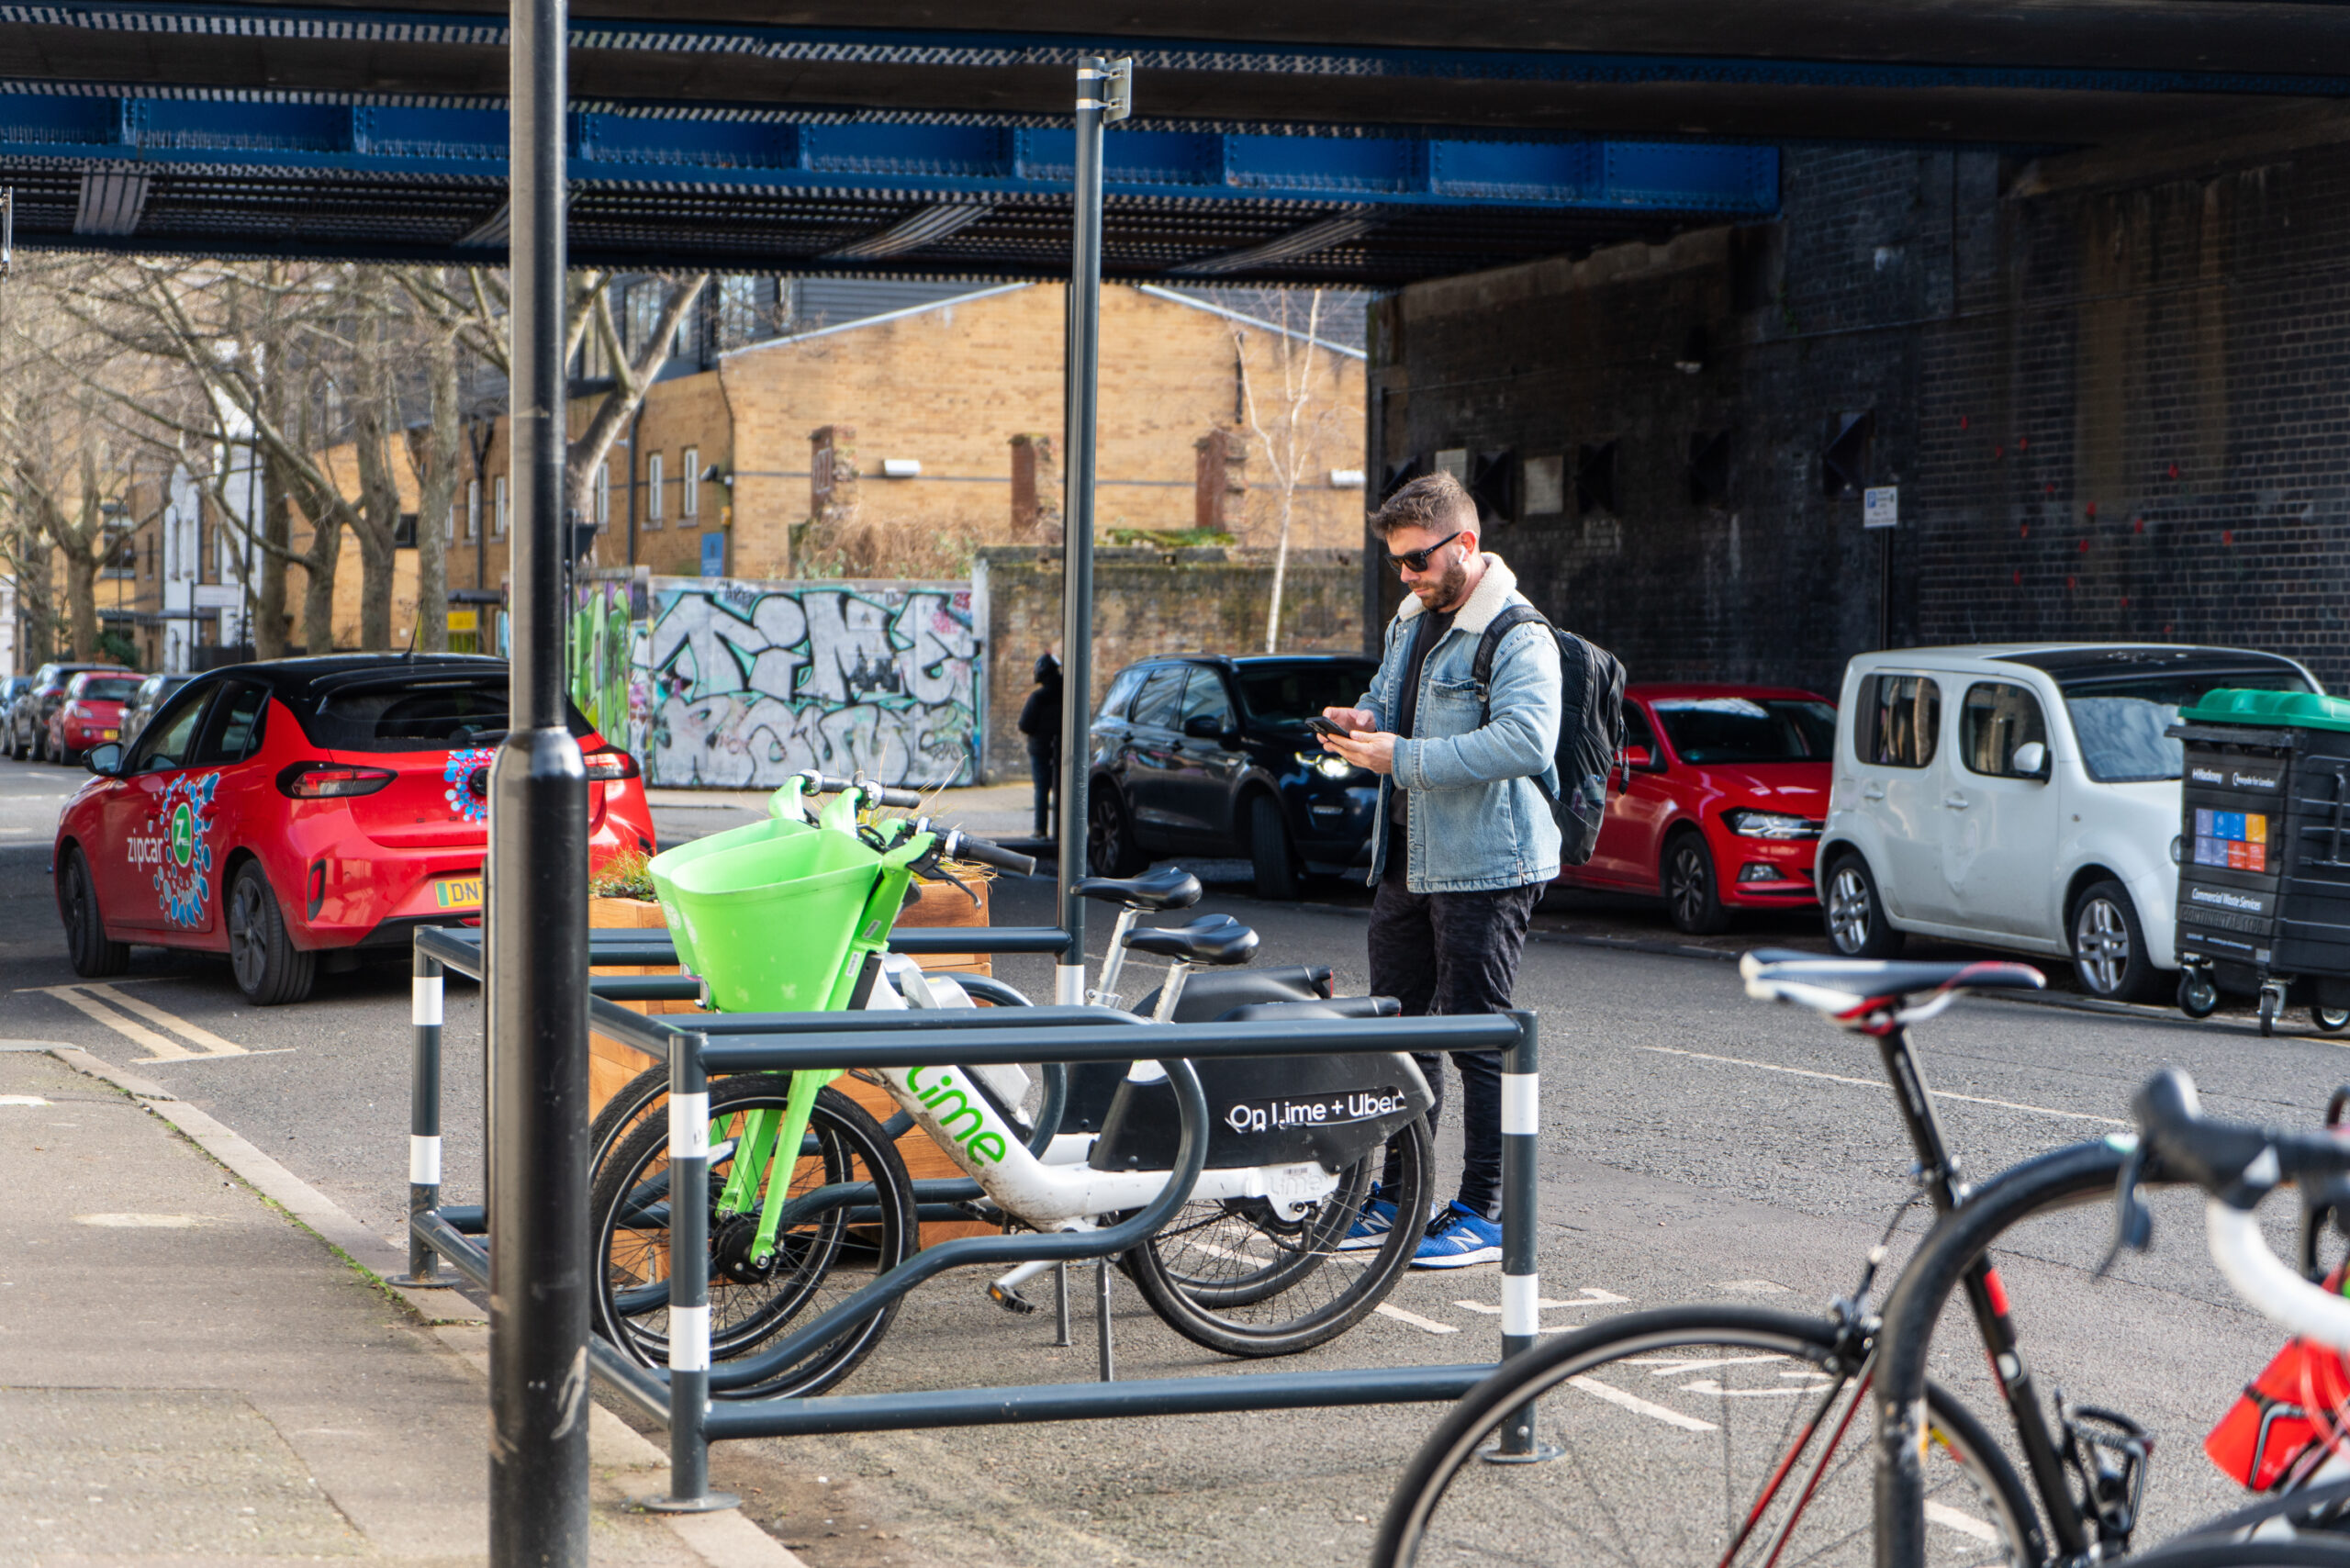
1475	817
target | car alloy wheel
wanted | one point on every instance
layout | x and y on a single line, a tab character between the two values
248	935
1850	910
1689	893
2101	945
1108	851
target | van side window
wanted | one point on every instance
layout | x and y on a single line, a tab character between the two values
1997	719
1902	722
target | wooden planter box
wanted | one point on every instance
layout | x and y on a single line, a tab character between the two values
611	1064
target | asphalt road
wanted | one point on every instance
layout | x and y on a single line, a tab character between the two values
1696	1145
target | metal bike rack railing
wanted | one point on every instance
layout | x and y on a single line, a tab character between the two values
679	1396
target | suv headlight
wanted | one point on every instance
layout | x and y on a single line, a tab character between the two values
1769	824
1328	764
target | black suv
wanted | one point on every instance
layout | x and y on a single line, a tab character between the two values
1211	756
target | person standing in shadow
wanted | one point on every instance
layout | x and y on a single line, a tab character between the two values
1040	721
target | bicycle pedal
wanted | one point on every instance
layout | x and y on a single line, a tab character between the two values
1010	1300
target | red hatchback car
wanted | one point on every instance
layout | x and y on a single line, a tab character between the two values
91	714
1722	796
276	811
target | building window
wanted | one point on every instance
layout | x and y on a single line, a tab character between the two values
602	491
472	508
451	532
498	508
645	299
653	490
689	482
688	339
739	315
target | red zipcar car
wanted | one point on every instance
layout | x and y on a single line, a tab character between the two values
91	714
1722	796
277	812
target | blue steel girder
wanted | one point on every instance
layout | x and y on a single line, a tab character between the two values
893	156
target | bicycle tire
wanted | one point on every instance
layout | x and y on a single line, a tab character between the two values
1621	1450
750	1306
646	1094
1293	1289
2300	1552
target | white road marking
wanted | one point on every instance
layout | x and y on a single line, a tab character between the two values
1386	1309
1675	1369
1637	1406
1878	1083
22	1100
158	1047
141	1221
1965	1524
195	1033
1708	1385
1592	1297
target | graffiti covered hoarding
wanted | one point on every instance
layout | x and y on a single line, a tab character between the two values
745	683
607	656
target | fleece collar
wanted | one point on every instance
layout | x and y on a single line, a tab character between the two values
1487	600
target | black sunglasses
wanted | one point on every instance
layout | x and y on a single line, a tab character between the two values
1419	559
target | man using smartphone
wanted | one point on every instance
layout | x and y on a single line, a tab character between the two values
1464	841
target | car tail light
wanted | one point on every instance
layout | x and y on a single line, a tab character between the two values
611	766
331	780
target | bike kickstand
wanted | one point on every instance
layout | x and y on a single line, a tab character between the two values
1101	1319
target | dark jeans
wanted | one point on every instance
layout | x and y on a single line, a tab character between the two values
1044	768
1450	953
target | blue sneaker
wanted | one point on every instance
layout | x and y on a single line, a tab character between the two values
1370	1227
1458	1237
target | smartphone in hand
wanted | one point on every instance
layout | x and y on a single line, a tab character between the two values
1322	726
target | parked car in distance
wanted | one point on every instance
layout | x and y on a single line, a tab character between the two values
151	695
28	717
1719	803
91	713
12	691
281	811
1211	756
2021	796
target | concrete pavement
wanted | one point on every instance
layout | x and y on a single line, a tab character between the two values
194	1377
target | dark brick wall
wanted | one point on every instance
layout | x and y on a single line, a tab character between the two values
2114	411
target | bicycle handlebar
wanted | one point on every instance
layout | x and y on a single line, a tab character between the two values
2237	1165
961	845
881	794
2233	1161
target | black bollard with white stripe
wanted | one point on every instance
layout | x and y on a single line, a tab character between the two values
1521	1286
424	1123
689	1490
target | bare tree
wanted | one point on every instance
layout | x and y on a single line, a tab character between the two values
1292	444
480	310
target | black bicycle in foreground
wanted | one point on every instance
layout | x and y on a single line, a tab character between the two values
1717	1436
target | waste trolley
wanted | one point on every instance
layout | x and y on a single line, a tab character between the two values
2264	854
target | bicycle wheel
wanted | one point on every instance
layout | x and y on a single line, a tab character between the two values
1233	1275
646	1094
1694	1437
2319	1550
815	1264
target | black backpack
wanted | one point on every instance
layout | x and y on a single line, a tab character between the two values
1590	727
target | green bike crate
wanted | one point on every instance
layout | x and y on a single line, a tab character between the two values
664	866
769	920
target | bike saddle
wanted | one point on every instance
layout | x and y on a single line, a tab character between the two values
1169	887
1215	939
1841	987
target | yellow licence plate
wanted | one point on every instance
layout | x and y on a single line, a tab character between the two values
458	892
110	735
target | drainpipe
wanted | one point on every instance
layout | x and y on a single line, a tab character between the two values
635	422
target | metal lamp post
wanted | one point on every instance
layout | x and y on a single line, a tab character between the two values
1105	93
536	907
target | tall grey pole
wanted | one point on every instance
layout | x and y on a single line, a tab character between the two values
537	904
1105	93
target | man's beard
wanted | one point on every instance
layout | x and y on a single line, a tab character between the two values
1435	594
